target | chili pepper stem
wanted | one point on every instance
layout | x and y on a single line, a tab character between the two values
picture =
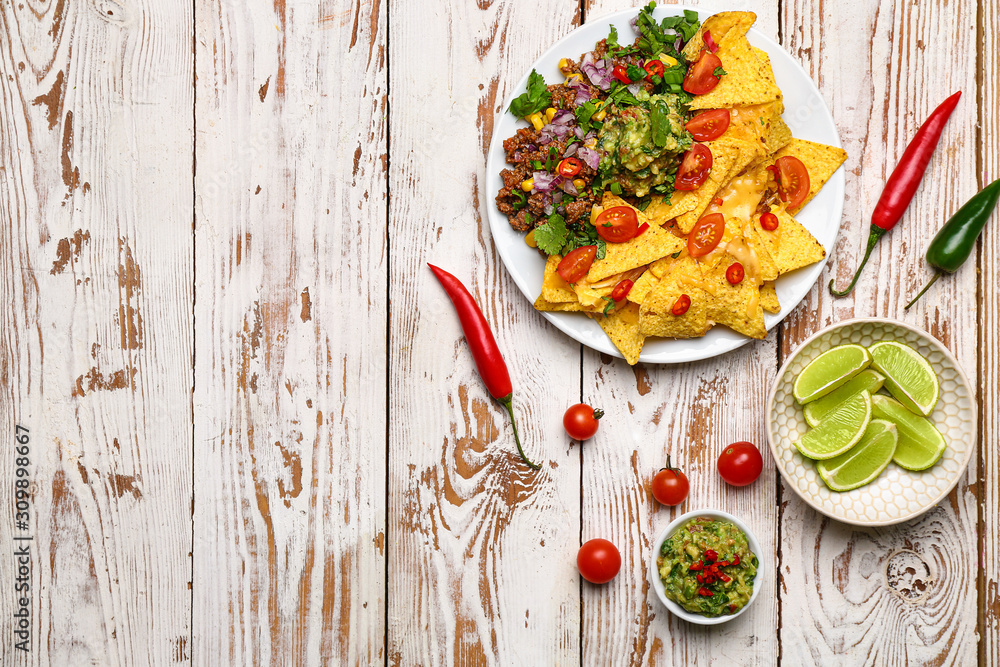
926	287
873	238
507	402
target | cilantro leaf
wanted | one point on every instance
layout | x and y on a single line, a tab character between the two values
612	40
719	72
551	237
659	118
656	38
535	99
635	73
584	113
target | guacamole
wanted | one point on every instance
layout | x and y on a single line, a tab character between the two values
707	567
643	144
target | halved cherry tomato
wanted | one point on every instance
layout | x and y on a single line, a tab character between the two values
709	125
793	180
709	42
735	273
576	264
617	224
706	234
569	167
620	73
653	68
621	290
694	169
681	305
769	221
700	77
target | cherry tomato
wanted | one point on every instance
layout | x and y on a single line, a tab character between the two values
617	224
621	290
580	421
740	463
653	68
576	264
681	305
735	273
694	168
700	77
670	486
706	234
769	221
709	124
620	73
793	180
569	167
598	561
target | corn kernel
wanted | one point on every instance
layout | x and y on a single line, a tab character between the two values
579	183
600	115
564	66
669	61
550	113
528	185
530	239
536	120
591	143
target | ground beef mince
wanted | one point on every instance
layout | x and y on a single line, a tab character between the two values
578	210
562	96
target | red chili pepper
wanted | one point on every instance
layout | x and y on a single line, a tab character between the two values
710	554
722	563
709	42
710	578
736	560
725	578
482	344
732	609
696	567
642	228
769	221
903	181
704	592
619	72
700	578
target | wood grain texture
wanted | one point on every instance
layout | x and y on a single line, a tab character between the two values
691	412
988	168
882	68
290	399
481	548
96	252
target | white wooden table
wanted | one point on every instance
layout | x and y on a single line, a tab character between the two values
256	433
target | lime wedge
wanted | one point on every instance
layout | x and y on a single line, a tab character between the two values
838	432
867	380
920	443
862	463
908	376
830	370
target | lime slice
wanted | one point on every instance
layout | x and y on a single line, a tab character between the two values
908	376
920	443
862	463
838	432
867	380
830	370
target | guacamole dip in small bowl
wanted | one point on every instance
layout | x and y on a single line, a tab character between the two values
706	567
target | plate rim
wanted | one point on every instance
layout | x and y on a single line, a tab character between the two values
605	346
963	467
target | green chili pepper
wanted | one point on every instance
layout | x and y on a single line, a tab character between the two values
956	240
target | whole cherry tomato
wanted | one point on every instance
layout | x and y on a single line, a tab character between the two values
740	463
580	421
576	263
598	561
670	486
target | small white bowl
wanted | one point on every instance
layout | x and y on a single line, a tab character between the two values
675	608
897	495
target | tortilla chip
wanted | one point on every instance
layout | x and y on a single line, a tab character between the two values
711	188
554	307
735	306
778	136
622	327
554	288
757	124
748	79
821	161
722	26
769	299
648	280
790	245
655	316
649	246
768	269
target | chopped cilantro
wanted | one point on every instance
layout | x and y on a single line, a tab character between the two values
659	118
676	254
549	161
656	38
635	73
643	204
551	237
719	71
609	305
612	40
535	99
584	113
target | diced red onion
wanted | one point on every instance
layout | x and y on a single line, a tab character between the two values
564	117
634	88
549	208
635	25
571	150
582	96
591	157
596	72
569	188
579	133
557	196
545	182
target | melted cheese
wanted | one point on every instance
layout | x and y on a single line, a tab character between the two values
745	255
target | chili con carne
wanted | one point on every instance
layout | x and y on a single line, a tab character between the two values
903	181
485	352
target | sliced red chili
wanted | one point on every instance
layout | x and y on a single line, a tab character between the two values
725	578
736	559
569	167
620	73
735	273
769	221
710	554
681	305
732	609
653	68
696	567
642	228
718	201
700	578
722	563
704	592
710	578
621	290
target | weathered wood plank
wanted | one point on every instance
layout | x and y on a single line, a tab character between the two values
691	412
96	250
882	68
988	168
290	398
481	548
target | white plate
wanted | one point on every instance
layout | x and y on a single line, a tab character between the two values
897	495
805	113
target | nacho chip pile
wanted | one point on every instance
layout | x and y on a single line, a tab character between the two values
741	187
